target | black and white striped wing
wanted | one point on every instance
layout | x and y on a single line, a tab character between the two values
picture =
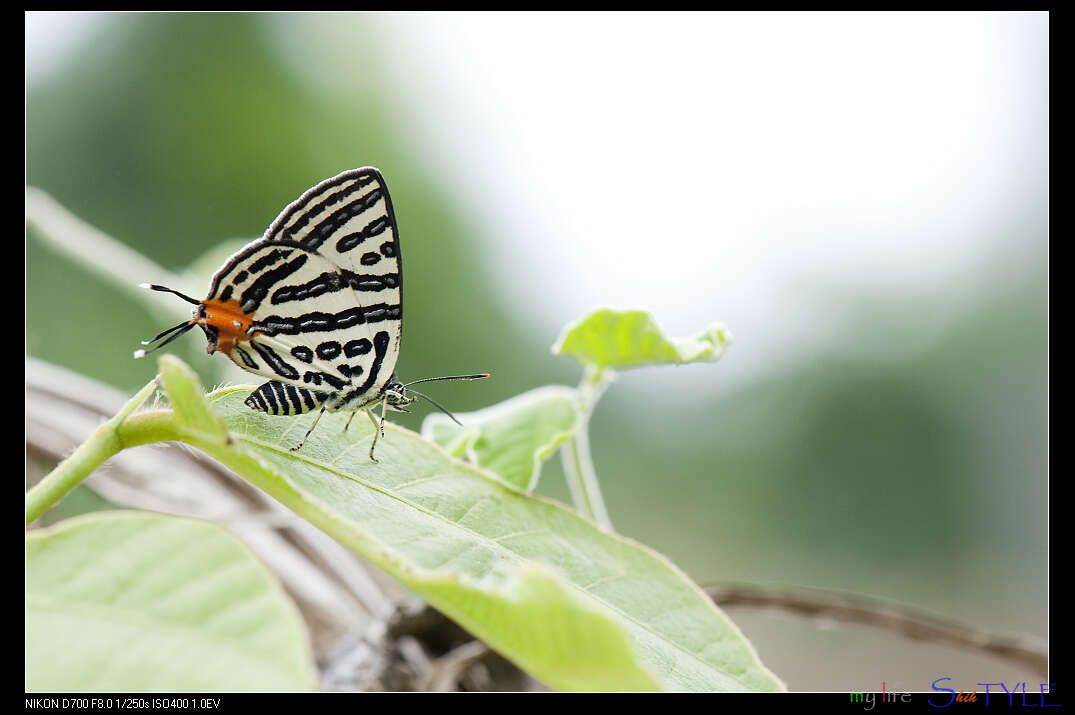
322	291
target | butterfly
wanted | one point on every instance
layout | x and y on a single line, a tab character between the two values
315	305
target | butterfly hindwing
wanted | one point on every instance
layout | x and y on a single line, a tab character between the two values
277	398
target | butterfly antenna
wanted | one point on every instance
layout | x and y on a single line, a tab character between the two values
448	377
179	330
437	404
154	286
162	333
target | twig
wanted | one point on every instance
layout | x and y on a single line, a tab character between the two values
444	673
911	624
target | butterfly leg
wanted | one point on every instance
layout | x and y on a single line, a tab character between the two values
349	421
296	449
378	429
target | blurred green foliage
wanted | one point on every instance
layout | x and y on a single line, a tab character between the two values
919	476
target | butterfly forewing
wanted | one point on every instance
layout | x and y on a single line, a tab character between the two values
319	297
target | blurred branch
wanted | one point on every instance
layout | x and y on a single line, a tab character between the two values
119	266
447	670
436	654
99	253
912	625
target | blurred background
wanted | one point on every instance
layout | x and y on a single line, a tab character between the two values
861	198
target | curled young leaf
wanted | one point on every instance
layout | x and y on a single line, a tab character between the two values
610	338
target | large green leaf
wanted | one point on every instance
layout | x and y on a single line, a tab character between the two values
134	601
577	607
631	338
514	437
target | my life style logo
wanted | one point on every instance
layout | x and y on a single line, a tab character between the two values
1018	696
1035	699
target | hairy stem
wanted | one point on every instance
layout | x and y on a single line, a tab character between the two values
123	430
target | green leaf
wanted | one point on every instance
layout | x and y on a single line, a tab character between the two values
457	535
514	437
631	338
135	601
555	618
542	585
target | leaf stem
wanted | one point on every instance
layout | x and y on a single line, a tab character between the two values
110	438
575	455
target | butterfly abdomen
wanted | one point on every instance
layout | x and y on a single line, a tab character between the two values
276	398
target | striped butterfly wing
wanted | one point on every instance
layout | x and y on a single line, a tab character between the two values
319	297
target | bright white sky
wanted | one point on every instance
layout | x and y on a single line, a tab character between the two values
715	165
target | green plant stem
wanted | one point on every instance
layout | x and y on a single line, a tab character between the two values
123	430
575	454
